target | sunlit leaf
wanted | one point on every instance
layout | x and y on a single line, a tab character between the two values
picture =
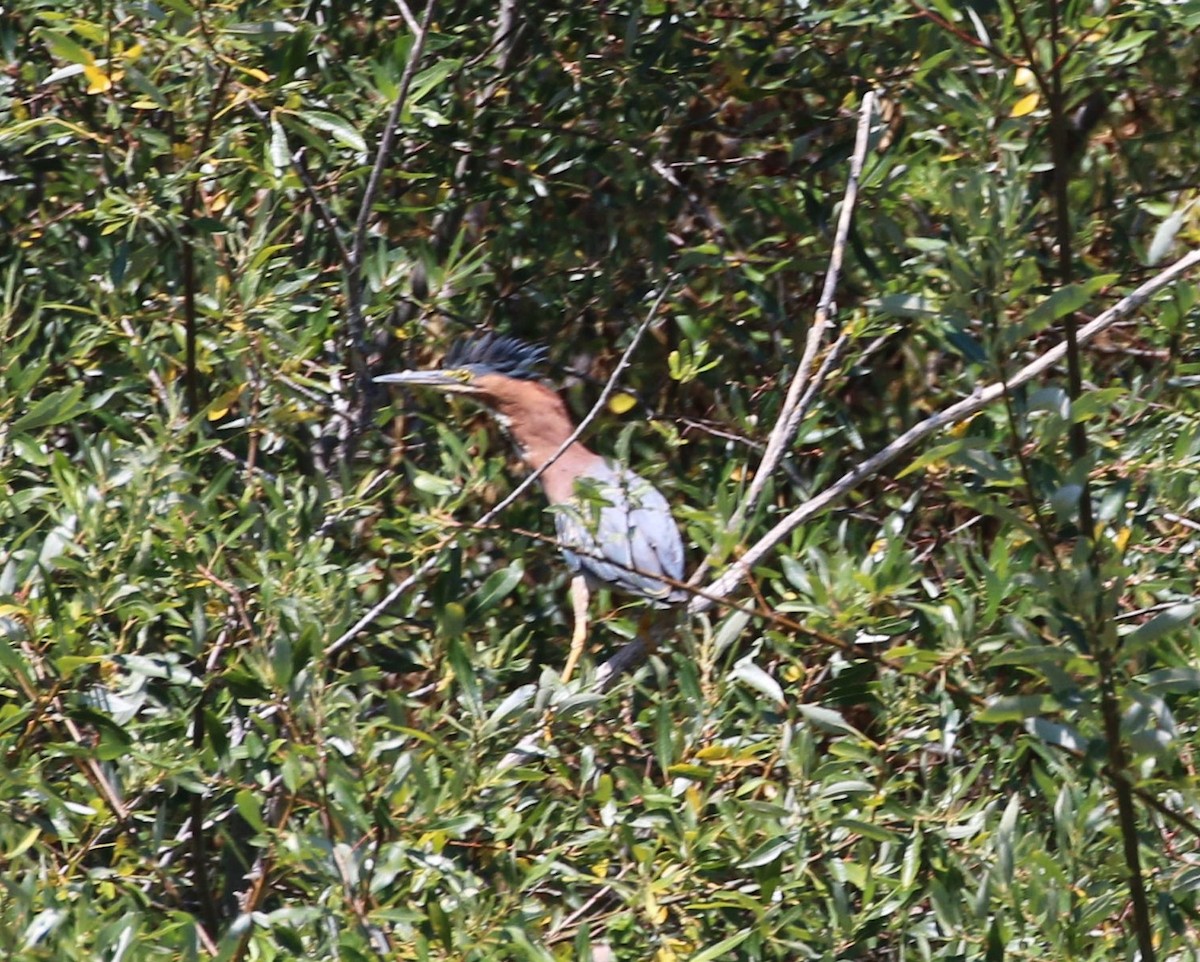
1026	105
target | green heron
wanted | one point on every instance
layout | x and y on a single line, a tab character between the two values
614	528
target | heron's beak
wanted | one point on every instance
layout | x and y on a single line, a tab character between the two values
444	381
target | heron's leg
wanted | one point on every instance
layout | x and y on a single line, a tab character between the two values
579	602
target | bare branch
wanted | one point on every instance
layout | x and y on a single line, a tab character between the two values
406	12
977	401
631	655
384	152
793	410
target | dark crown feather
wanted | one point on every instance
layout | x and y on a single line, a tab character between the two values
496	354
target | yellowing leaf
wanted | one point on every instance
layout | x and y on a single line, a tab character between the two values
1023	77
621	402
654	912
1026	105
133	52
220	407
98	78
959	430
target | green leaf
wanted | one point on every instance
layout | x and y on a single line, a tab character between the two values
1066	300
58	407
341	128
499	585
1010	708
433	484
827	719
731	629
768	852
515	701
749	673
1162	624
64	47
1179	680
264	30
942	452
249	806
1056	734
431	77
1164	236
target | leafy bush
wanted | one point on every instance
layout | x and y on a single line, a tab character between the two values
265	678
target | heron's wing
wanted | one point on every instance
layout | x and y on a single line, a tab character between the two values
619	521
657	545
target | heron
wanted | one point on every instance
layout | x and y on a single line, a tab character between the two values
614	528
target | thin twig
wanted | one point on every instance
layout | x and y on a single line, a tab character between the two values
384	153
568	921
328	218
434	559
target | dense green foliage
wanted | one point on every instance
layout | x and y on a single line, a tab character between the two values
947	714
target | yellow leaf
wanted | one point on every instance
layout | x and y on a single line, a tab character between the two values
654	912
144	104
257	74
959	430
1122	538
98	79
600	869
1023	77
133	52
1026	105
621	402
220	407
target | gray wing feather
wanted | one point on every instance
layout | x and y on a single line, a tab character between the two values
619	521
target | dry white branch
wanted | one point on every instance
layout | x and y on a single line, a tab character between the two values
792	410
977	401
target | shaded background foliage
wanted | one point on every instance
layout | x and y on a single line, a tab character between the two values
200	495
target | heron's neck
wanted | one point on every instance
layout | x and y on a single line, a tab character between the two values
537	430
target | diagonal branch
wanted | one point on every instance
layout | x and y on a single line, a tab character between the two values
977	401
358	239
628	657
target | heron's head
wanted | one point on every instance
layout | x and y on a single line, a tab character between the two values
485	366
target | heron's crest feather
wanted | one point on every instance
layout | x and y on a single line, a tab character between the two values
496	354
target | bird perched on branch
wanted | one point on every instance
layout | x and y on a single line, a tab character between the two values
614	528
